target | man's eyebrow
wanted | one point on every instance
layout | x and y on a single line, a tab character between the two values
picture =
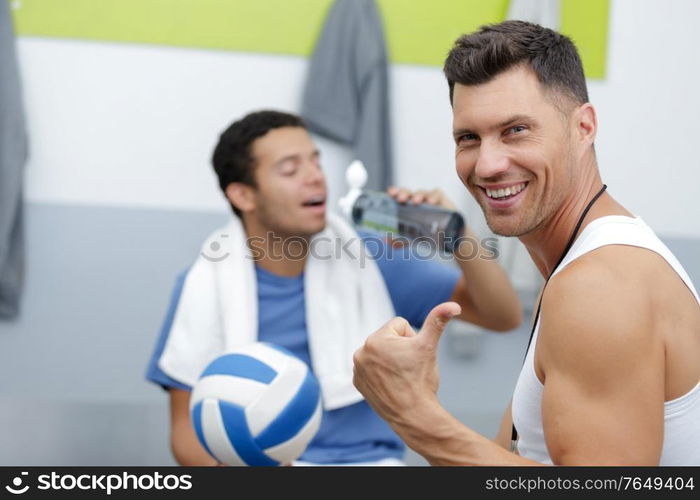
514	119
295	156
508	121
461	131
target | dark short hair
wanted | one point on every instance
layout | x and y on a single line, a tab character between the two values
478	57
232	158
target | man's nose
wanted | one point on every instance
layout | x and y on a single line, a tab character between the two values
314	174
491	162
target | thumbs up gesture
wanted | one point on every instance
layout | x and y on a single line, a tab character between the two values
396	369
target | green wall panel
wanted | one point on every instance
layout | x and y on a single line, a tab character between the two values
586	23
422	32
418	32
281	26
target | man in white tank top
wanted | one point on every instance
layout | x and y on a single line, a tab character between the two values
612	373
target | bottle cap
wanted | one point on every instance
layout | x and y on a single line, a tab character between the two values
356	177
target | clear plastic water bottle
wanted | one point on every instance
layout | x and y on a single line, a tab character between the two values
380	213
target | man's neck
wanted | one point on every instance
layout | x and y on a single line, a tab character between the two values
283	255
284	267
546	244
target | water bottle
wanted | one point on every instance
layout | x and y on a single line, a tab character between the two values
380	213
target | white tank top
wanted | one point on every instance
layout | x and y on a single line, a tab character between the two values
681	416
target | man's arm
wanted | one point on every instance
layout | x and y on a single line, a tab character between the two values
602	366
602	369
484	291
183	440
505	431
397	373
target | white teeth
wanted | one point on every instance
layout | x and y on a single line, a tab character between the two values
315	199
503	192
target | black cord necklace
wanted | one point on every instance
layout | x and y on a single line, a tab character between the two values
572	238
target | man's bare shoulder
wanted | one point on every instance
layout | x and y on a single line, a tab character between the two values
617	279
610	279
621	266
596	313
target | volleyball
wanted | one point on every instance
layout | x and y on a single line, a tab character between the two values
258	405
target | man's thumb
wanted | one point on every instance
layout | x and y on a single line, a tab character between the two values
437	319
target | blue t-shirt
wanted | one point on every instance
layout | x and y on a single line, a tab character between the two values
353	433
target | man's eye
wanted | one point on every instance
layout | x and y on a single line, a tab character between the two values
468	137
517	128
288	168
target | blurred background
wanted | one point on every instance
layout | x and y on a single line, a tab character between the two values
124	101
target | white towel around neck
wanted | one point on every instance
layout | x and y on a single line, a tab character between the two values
345	295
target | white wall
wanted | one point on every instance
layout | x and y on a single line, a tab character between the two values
132	125
647	105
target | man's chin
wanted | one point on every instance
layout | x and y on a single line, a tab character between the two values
512	228
313	229
504	228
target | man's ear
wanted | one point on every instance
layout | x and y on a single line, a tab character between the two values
241	196
586	123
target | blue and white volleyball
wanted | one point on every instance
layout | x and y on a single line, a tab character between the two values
258	405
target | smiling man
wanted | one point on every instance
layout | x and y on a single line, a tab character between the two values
269	170
612	372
